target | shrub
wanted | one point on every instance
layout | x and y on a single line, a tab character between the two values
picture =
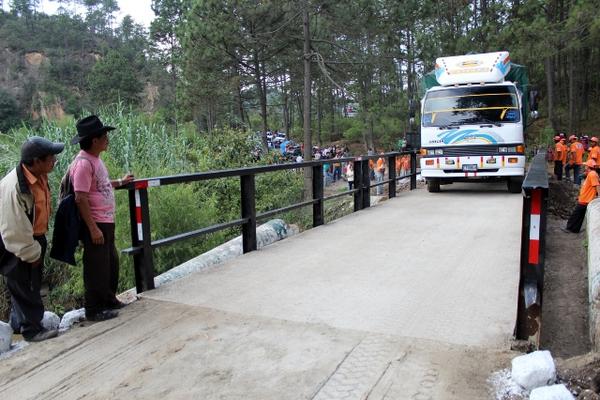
149	149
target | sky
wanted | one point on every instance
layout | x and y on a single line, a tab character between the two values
139	10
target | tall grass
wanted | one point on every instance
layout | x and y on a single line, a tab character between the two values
147	148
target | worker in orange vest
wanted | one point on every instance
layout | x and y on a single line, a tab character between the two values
559	150
563	141
379	174
575	157
594	150
588	192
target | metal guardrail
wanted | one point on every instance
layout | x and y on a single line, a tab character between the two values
533	245
143	245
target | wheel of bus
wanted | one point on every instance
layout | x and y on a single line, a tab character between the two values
433	185
514	185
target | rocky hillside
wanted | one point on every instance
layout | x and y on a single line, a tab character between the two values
59	64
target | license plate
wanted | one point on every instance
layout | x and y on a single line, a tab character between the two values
469	167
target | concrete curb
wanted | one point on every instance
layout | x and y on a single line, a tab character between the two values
593	238
267	233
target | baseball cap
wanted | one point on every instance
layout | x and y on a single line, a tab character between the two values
39	147
590	163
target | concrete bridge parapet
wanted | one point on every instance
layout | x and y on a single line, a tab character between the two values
593	238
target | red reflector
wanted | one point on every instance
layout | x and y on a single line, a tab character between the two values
141	185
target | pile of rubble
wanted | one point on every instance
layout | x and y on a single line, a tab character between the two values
534	376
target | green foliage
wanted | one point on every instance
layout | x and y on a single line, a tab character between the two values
113	79
9	111
147	148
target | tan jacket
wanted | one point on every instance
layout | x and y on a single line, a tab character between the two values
16	215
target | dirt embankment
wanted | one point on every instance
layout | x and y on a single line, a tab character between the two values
565	330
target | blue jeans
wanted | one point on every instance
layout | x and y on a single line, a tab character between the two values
576	172
337	173
327	178
379	179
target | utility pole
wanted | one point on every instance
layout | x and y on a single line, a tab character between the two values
307	95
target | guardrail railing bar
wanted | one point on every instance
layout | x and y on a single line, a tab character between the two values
187	235
142	245
391	176
270	213
248	199
317	190
413	170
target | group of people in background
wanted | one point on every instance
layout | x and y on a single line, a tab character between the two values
569	157
579	158
336	170
25	210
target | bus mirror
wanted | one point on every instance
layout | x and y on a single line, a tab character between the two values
534	115
412	109
533	95
411	123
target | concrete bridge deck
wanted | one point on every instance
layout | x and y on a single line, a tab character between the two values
412	299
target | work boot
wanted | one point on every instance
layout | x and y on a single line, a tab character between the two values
116	305
41	335
101	315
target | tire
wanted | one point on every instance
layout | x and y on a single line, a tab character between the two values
515	185
433	185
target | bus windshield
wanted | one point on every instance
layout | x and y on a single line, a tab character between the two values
471	105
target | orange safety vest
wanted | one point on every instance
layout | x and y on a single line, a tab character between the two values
576	150
588	188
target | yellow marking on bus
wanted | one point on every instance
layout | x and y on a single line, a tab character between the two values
472	109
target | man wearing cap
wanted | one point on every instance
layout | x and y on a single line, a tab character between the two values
560	151
565	152
575	157
24	214
96	203
594	150
588	192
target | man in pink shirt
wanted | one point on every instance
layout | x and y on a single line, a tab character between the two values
96	203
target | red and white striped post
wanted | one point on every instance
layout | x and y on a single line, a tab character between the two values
531	285
534	226
139	212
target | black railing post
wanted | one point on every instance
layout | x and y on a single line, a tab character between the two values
392	176
357	184
143	260
366	183
317	189
248	193
413	170
533	244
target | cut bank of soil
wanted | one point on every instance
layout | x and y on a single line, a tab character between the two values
565	329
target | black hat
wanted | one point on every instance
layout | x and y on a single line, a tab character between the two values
90	127
38	147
